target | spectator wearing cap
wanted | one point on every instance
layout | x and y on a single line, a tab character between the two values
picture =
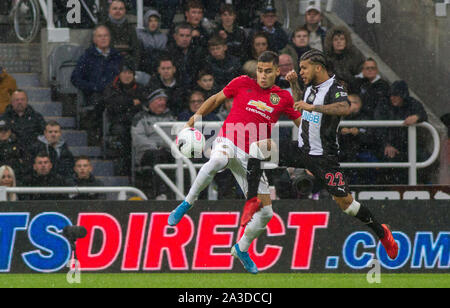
223	66
7	87
346	59
43	175
405	108
123	100
11	152
123	34
317	33
269	24
298	45
149	147
26	123
373	90
167	79
153	41
234	35
143	134
53	144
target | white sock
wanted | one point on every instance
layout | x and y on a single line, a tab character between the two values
353	209
205	176
255	227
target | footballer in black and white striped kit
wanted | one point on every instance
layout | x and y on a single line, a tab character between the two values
324	102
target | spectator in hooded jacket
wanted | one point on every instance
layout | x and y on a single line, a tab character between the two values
346	60
123	34
269	24
373	90
407	109
95	70
83	177
26	123
7	87
224	66
153	41
123	100
229	30
52	143
317	33
43	176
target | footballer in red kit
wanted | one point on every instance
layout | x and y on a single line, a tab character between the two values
244	140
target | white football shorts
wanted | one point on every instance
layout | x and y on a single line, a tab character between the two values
237	163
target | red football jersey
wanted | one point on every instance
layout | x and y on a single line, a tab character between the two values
255	111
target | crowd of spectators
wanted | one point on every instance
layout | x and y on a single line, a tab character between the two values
185	63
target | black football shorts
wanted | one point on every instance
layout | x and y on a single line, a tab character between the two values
325	168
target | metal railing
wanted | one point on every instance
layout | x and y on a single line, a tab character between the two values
412	164
70	190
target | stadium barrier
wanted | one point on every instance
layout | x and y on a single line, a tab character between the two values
182	163
303	237
122	190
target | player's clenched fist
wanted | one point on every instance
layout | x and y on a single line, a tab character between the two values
292	76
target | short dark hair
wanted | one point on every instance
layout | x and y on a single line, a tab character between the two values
216	41
42	155
300	29
182	25
315	56
164	58
82	157
227	8
269	57
52	123
204	72
193	4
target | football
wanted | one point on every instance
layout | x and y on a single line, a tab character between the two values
190	142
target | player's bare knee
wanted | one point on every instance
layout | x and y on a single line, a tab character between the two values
344	202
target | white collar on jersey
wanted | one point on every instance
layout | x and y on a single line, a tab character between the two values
327	83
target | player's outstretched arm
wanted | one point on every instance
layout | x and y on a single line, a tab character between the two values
207	107
336	109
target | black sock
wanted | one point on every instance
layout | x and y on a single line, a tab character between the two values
367	218
254	173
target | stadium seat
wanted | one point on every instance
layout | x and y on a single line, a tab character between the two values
416	195
379	195
62	62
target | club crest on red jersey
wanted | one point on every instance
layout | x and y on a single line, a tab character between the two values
274	99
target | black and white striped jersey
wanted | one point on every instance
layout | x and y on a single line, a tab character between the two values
318	132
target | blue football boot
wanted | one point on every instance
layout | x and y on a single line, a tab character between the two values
245	259
178	213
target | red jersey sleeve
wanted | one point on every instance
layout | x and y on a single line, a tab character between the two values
289	110
233	87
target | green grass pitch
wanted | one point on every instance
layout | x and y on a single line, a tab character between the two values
90	280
